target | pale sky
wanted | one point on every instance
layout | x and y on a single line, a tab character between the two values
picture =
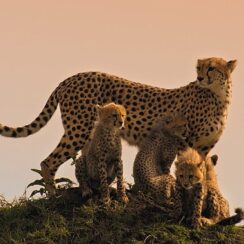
154	42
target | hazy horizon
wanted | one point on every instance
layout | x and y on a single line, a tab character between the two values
157	43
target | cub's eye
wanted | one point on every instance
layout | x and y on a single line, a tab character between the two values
181	176
190	176
210	68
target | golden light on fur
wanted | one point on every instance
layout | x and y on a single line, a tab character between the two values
95	169
112	114
190	168
77	96
190	156
214	74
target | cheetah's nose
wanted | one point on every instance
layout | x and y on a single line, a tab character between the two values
200	78
186	186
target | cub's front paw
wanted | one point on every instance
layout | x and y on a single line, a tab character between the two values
124	199
205	221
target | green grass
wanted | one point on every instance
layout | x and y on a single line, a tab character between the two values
67	219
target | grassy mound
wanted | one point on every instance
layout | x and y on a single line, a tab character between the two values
67	219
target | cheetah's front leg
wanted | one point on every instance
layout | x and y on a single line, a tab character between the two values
81	176
102	171
177	213
120	181
195	221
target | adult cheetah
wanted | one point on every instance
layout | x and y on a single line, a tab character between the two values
100	161
203	102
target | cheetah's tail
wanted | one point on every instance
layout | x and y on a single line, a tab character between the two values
36	124
234	219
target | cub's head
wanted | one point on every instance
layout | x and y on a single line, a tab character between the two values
214	73
112	115
175	123
190	168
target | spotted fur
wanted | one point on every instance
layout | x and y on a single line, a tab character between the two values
204	104
101	160
197	196
155	156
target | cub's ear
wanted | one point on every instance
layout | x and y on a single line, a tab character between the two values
179	154
199	61
231	65
214	159
98	108
200	165
122	108
177	163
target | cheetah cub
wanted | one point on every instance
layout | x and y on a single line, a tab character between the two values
156	154
198	199
101	160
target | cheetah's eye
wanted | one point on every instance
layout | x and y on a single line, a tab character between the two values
190	176
210	68
181	176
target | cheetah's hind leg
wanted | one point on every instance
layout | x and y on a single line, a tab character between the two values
64	151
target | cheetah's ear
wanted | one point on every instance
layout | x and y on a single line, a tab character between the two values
177	163
179	157
214	159
98	108
199	61
180	153
200	165
181	119
231	65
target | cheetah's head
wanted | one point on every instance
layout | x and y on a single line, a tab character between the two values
190	168
214	73
112	115
175	123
